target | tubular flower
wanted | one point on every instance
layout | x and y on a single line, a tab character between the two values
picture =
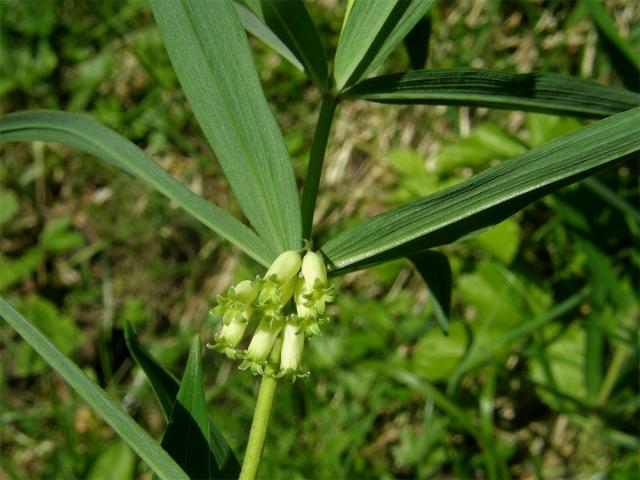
261	344
312	294
291	354
273	311
283	269
236	309
278	342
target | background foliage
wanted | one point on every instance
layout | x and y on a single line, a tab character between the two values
538	375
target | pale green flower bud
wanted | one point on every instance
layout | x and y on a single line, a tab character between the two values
261	344
314	269
236	304
292	348
235	309
272	311
283	269
229	338
301	290
312	293
285	266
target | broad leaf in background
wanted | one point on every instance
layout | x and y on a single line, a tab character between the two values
187	437
435	270
371	32
292	24
115	461
210	53
165	386
60	329
10	207
417	43
96	139
256	27
487	198
533	92
121	423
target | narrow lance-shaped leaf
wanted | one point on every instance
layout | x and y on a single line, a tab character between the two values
487	198
163	383
257	28
165	386
89	136
435	270
141	443
533	92
210	53
291	22
370	34
187	437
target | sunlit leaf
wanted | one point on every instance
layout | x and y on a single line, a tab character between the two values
96	139
533	92
210	54
370	34
487	198
291	22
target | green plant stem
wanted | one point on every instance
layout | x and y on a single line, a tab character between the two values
316	160
258	428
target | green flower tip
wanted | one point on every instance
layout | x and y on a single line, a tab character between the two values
261	345
291	353
275	285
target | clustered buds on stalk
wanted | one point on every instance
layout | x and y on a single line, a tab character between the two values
278	341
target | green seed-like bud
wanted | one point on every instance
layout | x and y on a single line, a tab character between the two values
261	344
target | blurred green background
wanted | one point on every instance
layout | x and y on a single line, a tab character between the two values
538	377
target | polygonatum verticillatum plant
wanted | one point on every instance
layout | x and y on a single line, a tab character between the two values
208	47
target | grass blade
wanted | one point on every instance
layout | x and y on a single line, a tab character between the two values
165	387
164	384
292	24
624	58
371	32
84	134
404	376
210	53
487	198
141	443
533	92
258	29
435	270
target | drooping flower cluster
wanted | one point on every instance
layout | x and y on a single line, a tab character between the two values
278	341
